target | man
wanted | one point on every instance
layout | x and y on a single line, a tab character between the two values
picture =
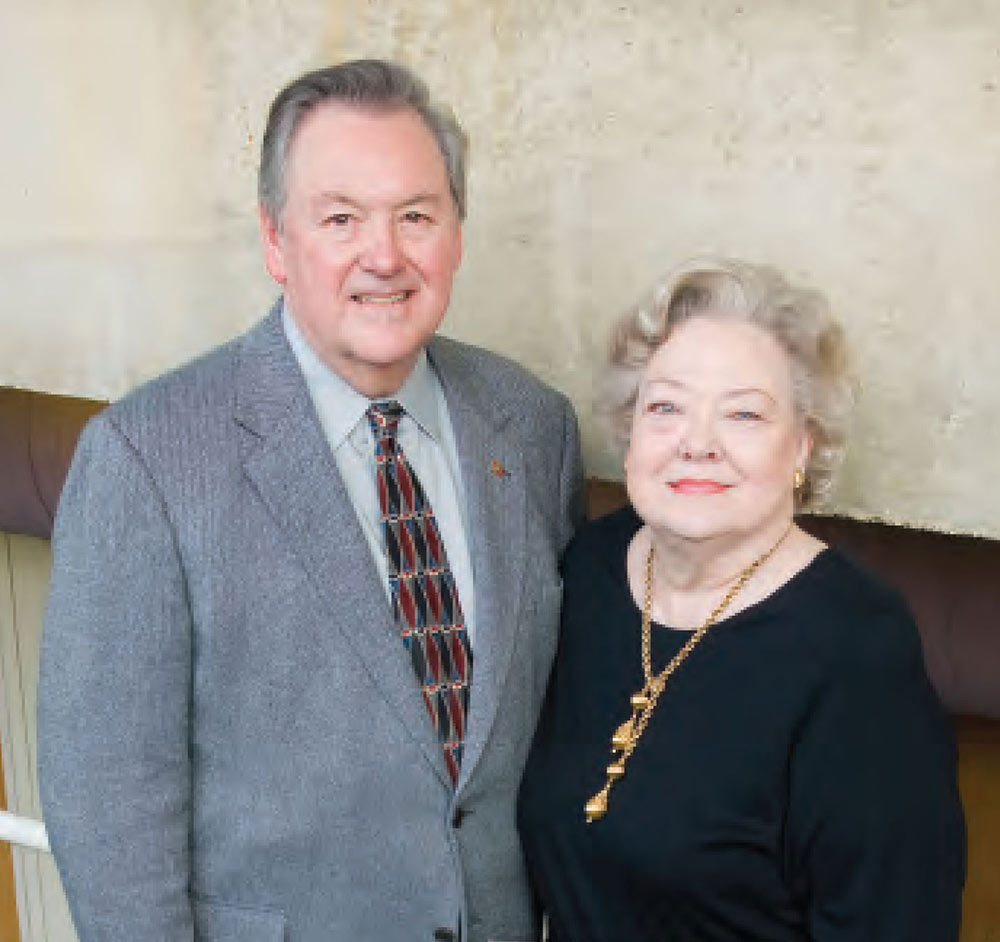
258	659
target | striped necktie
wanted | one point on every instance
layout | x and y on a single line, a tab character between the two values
424	594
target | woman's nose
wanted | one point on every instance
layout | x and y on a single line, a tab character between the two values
698	442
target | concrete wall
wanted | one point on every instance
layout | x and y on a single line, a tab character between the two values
855	144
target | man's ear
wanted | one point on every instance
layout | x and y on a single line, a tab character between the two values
274	256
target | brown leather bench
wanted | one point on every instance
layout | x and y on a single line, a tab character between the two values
38	434
952	584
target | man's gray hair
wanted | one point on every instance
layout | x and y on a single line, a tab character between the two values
365	83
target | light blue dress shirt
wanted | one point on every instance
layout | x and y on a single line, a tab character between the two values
427	439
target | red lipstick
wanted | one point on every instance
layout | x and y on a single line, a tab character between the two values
697	486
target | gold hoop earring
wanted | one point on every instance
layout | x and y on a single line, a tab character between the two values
798	479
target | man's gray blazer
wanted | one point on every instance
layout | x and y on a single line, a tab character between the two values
232	744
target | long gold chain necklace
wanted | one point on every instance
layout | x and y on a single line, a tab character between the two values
627	736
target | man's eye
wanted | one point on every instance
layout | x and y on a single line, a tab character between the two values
338	219
663	408
415	216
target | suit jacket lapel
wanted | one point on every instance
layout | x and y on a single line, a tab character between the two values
493	479
288	459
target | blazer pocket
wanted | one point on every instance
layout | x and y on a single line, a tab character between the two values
226	922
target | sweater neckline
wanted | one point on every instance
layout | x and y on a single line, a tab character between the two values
767	606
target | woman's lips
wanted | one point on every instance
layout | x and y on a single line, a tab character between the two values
697	486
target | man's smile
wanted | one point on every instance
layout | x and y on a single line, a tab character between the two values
382	298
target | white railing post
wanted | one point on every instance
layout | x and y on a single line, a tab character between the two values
25	832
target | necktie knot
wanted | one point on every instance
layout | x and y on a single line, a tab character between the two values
384	417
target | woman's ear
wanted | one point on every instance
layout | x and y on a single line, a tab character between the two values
805	449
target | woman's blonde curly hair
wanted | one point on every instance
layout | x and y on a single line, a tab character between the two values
799	319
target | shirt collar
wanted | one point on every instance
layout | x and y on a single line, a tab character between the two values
341	406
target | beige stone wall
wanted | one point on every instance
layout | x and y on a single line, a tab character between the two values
857	145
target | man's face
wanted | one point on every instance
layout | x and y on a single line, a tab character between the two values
368	243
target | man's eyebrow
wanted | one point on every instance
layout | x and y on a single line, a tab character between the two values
428	198
334	196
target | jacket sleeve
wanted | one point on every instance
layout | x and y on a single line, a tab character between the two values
114	700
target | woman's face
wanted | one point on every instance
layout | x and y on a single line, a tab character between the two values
715	441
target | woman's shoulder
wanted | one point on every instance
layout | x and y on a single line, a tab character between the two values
853	583
858	617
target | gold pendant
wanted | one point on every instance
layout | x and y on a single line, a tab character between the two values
639	701
627	735
622	736
597	807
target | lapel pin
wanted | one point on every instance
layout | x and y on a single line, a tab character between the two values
498	470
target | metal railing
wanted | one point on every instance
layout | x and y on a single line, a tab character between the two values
26	832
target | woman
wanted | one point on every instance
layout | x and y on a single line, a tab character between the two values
740	741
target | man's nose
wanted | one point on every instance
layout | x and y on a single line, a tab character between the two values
381	253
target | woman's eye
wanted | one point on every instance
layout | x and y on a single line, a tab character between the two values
338	219
746	415
663	408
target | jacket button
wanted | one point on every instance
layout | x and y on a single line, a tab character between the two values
445	935
458	816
